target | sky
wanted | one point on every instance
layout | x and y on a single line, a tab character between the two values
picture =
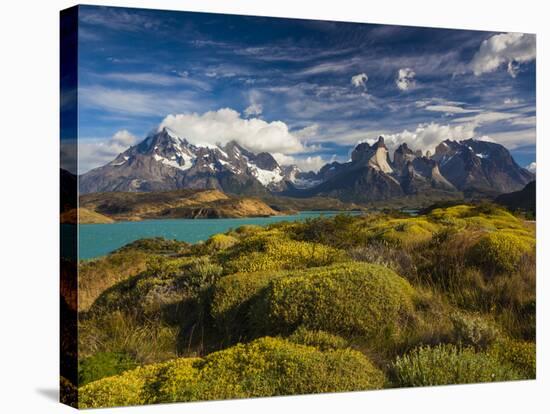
307	91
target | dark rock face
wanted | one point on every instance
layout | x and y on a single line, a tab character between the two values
164	161
480	166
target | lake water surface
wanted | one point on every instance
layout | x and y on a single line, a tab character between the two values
100	239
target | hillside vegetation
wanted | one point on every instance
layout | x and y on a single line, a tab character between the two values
330	304
174	204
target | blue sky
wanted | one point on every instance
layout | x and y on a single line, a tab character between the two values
307	91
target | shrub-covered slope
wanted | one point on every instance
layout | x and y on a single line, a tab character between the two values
334	303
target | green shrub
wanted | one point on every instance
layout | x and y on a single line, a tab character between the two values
118	332
347	298
520	354
155	245
319	339
351	298
128	388
231	300
448	364
265	367
405	232
166	281
339	231
219	242
201	274
272	366
472	330
103	364
500	251
249	229
276	252
96	276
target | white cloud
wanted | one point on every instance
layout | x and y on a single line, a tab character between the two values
512	49
428	136
95	152
511	101
405	79
253	109
309	163
532	167
132	102
226	125
307	132
159	79
360	80
488	117
530	121
486	138
449	109
517	138
331	67
513	69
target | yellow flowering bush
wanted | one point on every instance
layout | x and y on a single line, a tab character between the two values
501	251
265	367
351	298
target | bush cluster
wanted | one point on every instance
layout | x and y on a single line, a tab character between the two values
442	298
265	367
448	364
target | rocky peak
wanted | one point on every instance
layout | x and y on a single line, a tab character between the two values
265	161
380	142
402	155
375	156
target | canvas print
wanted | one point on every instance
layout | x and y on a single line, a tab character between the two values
256	206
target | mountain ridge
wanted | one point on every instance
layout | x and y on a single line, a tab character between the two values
165	162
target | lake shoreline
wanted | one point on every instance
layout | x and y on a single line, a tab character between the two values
96	240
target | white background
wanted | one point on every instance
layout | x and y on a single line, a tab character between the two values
29	159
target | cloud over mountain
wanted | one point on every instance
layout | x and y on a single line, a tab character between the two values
95	152
427	136
225	125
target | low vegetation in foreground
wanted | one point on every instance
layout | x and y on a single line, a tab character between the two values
331	304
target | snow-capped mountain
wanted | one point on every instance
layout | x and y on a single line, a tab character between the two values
165	161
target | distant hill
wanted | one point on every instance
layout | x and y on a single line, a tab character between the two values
174	204
524	200
84	216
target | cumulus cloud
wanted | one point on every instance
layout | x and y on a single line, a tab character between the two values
224	125
427	136
309	163
308	132
255	108
95	152
512	49
532	167
405	79
360	80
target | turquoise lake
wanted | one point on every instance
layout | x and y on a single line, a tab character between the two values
100	239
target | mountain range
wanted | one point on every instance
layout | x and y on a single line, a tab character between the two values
164	161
